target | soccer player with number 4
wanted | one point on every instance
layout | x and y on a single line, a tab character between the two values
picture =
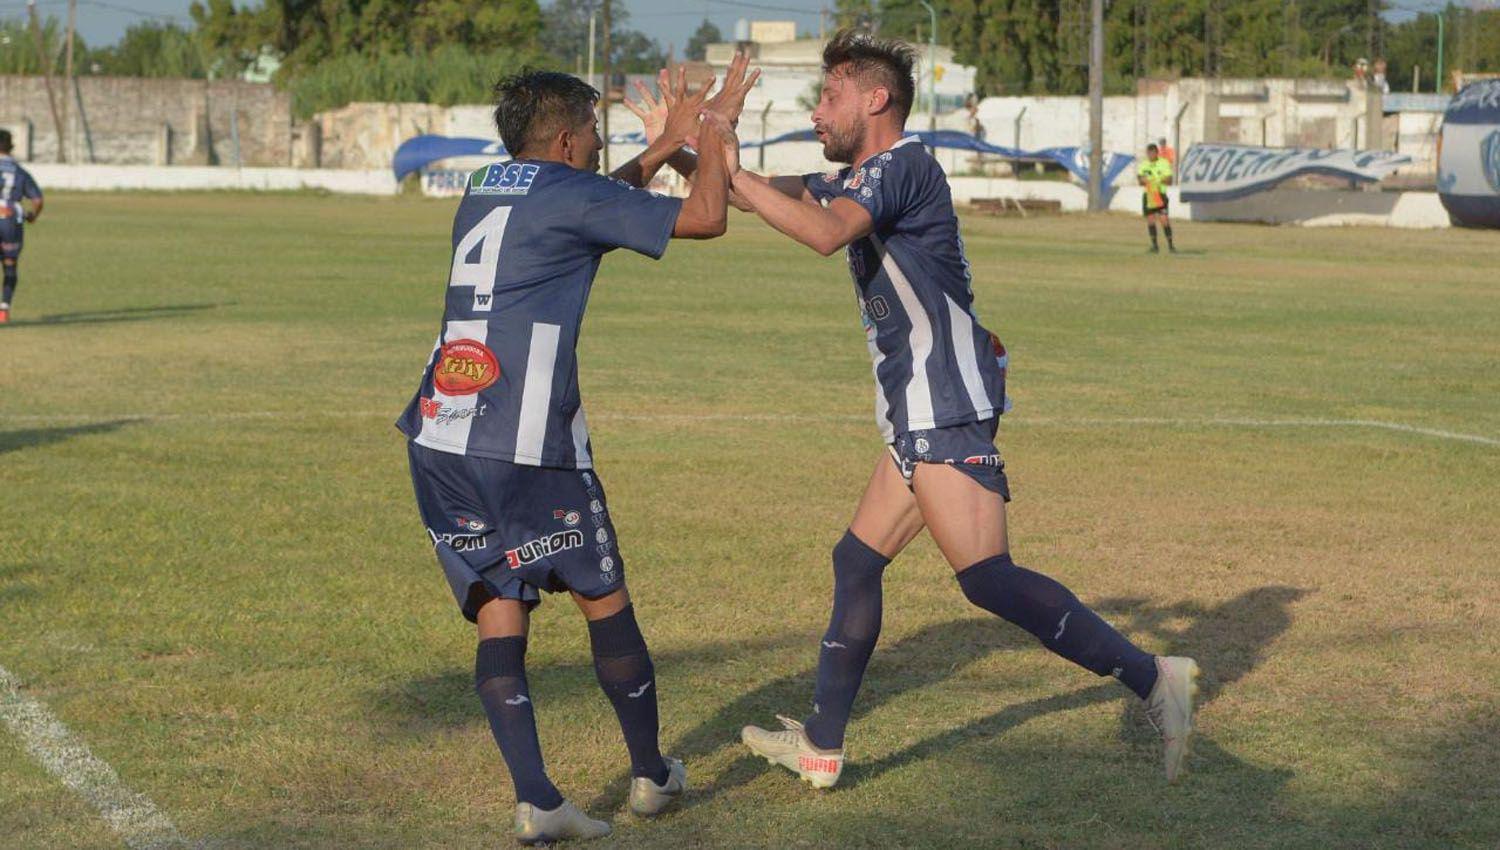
499	448
940	389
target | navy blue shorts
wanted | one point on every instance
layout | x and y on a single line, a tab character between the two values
12	236
509	531
970	448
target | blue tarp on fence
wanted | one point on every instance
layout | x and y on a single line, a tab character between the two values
416	153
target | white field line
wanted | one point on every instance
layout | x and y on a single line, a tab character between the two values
1011	421
132	816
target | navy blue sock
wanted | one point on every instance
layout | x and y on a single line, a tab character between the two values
1055	617
1151	228
11	278
629	680
847	645
500	679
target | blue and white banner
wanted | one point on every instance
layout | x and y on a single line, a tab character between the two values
1469	159
418	152
1214	172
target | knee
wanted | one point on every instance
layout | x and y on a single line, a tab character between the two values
856	563
502	658
619	648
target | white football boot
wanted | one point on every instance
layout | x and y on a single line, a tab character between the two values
648	799
791	749
1170	709
564	823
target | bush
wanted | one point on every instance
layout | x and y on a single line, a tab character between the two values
445	76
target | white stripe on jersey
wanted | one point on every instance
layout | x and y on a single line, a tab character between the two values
581	440
453	431
882	407
962	325
536	394
919	341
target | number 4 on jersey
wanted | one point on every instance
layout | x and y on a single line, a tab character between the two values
487	236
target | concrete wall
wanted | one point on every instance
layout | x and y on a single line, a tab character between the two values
110	178
128	120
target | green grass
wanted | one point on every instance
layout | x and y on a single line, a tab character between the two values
212	571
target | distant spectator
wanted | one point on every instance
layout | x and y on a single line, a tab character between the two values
1362	72
1379	81
1166	151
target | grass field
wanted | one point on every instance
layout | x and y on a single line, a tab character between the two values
212	572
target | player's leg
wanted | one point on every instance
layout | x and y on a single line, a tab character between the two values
622	664
10	257
500	680
1151	229
1166	229
966	515
967	522
884	523
471	537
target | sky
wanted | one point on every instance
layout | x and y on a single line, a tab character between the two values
670	22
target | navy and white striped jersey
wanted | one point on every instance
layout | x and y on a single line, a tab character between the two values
934	364
502	381
16	183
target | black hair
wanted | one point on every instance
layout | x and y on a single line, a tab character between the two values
532	106
5	141
1151	147
875	62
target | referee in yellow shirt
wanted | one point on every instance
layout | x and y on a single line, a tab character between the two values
1155	174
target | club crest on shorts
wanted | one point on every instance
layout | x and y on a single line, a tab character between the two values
570	518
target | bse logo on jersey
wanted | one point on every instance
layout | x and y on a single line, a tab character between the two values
465	367
507	178
533	550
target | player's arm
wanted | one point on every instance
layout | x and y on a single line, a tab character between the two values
33	193
704	214
823	229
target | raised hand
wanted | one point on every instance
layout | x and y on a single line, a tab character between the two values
683	109
651	111
738	81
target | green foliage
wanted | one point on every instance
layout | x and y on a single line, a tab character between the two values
306	34
566	35
697	46
445	76
18	51
153	50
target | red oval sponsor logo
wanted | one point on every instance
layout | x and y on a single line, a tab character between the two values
465	367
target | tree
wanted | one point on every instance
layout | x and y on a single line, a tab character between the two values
305	33
697	46
152	50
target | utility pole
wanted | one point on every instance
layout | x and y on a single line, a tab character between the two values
608	73
592	21
1096	107
41	55
931	68
68	68
1439	87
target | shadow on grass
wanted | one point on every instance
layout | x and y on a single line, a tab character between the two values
1228	640
124	314
28	438
447	700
